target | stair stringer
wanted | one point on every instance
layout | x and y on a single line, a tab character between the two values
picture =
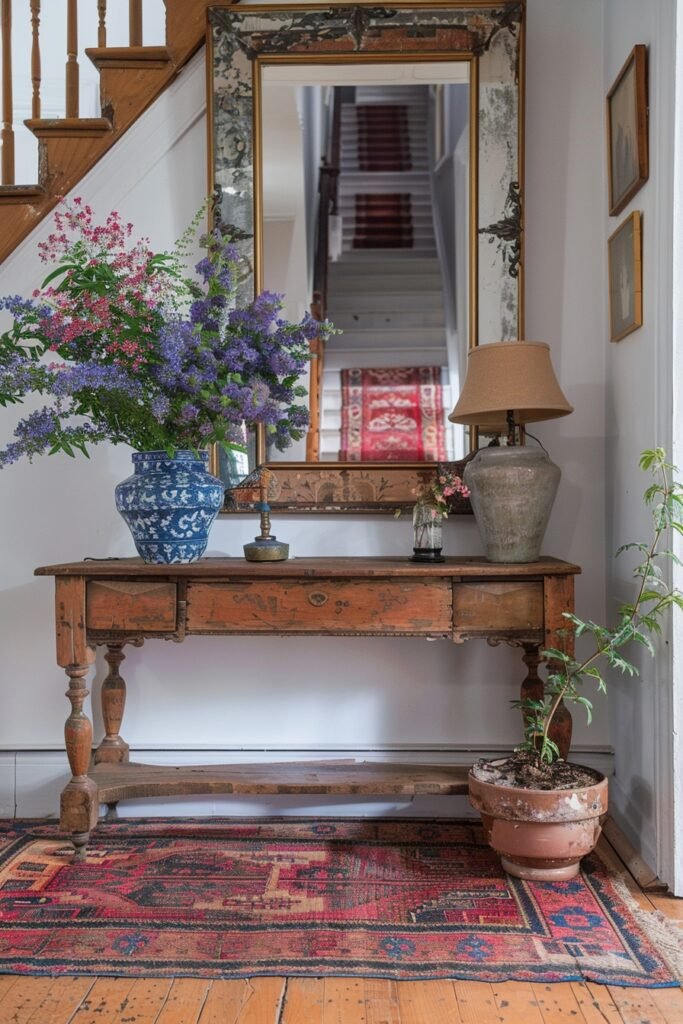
156	177
65	156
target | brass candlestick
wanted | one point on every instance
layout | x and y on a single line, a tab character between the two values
266	547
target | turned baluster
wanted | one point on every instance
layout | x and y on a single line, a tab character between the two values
101	23
72	70
7	134
135	22
35	57
113	749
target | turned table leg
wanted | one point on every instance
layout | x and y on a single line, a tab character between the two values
533	688
79	799
558	599
79	804
113	749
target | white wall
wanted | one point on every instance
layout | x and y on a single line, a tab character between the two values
638	405
564	275
322	693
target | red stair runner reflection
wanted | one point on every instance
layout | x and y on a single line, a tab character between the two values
383	137
392	414
383	220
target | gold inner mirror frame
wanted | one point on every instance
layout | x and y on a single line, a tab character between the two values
243	41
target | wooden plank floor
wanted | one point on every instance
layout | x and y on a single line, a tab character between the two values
341	1000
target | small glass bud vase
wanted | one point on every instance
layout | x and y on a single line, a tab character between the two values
427	532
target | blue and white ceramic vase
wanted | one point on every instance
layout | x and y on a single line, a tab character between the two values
169	504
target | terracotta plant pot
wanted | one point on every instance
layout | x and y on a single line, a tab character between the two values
540	834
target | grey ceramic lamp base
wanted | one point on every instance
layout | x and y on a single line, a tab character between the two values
512	494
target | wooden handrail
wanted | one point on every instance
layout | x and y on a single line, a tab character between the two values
72	70
7	134
101	23
135	22
334	142
327	204
328	187
35	58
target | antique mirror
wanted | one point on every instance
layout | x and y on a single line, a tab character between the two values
369	160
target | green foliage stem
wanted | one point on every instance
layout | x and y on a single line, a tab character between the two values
638	621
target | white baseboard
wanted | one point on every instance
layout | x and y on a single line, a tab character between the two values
7	784
31	781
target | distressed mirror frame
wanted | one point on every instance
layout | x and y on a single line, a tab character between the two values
488	35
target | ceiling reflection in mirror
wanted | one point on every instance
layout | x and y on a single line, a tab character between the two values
368	160
396	139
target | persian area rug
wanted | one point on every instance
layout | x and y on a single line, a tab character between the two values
238	898
392	414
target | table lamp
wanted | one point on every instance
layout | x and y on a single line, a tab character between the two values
513	486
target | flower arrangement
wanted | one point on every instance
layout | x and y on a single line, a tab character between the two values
126	348
436	491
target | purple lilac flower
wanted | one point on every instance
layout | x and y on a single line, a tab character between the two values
160	406
204	268
39	431
189	412
94	376
20	375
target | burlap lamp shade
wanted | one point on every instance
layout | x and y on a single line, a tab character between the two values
512	487
509	375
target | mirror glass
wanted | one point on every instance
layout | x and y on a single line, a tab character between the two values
369	161
398	253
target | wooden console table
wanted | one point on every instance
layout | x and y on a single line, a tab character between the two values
114	602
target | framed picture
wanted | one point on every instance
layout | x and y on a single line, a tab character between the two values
627	143
625	278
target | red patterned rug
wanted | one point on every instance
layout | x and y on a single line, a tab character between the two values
383	221
235	898
383	137
392	414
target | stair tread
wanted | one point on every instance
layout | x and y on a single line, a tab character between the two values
26	205
65	127
129	56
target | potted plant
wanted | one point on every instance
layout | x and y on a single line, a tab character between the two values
541	813
126	348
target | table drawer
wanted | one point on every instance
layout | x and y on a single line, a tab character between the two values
491	607
329	606
129	605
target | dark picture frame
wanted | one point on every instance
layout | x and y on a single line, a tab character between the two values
627	131
626	278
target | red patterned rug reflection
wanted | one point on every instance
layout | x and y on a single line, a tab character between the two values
392	414
228	899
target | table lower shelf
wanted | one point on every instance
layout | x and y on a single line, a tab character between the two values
129	781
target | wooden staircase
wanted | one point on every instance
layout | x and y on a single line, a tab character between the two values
131	78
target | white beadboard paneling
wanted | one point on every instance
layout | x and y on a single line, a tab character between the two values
7	785
40	777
